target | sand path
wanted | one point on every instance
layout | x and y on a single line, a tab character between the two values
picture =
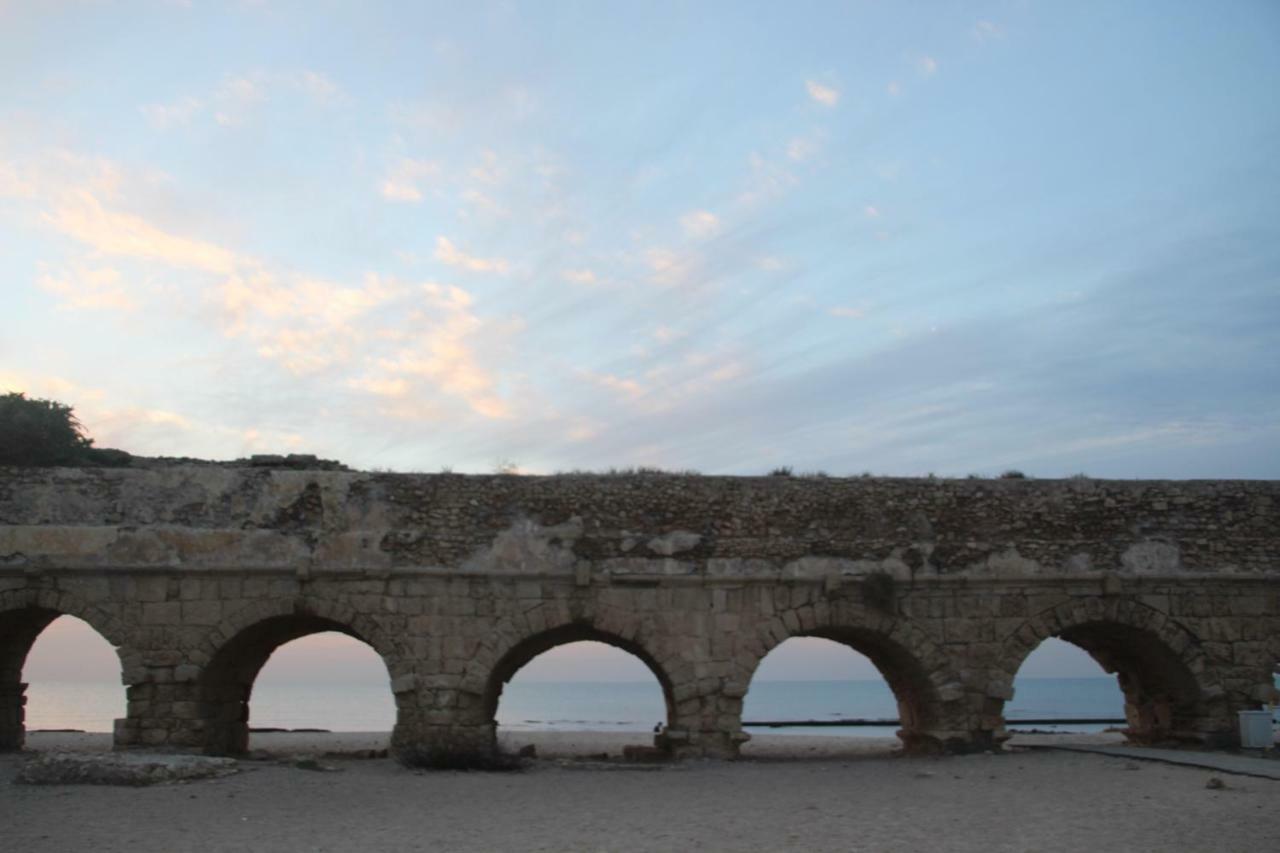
1041	801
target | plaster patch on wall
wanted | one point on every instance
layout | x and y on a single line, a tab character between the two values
527	546
675	542
1009	562
1151	557
1081	561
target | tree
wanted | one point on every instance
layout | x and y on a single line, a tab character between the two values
39	432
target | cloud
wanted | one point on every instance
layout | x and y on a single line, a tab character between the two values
13	184
825	95
801	148
483	203
766	181
670	268
89	289
871	211
580	276
927	66
843	311
442	354
986	31
177	112
402	182
79	214
894	88
304	324
628	388
237	95
449	254
316	85
700	224
489	170
380	387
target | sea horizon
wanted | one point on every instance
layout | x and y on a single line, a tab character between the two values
586	705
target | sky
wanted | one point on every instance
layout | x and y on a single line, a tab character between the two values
944	238
949	238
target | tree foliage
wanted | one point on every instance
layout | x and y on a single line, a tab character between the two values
38	432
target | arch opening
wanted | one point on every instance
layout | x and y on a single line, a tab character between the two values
846	674
1161	697
1059	680
296	690
578	679
56	672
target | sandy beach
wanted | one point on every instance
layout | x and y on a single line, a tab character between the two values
850	795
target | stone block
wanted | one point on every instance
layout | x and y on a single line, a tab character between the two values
162	613
201	612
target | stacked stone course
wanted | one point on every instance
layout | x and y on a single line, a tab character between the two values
196	573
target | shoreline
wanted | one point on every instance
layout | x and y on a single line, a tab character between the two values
562	744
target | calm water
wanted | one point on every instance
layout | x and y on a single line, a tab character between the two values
585	706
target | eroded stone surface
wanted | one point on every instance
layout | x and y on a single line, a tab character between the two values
130	769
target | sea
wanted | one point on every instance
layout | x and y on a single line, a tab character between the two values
588	706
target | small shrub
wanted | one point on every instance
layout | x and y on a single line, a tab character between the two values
1013	474
783	471
37	432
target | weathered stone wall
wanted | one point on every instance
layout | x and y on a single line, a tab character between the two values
196	573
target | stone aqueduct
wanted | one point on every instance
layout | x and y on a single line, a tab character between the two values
196	573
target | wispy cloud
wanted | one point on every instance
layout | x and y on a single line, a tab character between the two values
828	96
670	268
484	204
441	354
927	66
580	276
700	224
236	96
81	215
447	253
986	31
84	288
626	387
767	179
802	148
177	112
403	182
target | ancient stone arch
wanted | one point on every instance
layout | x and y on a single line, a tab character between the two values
229	669
914	665
24	614
515	658
364	627
514	640
1171	690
